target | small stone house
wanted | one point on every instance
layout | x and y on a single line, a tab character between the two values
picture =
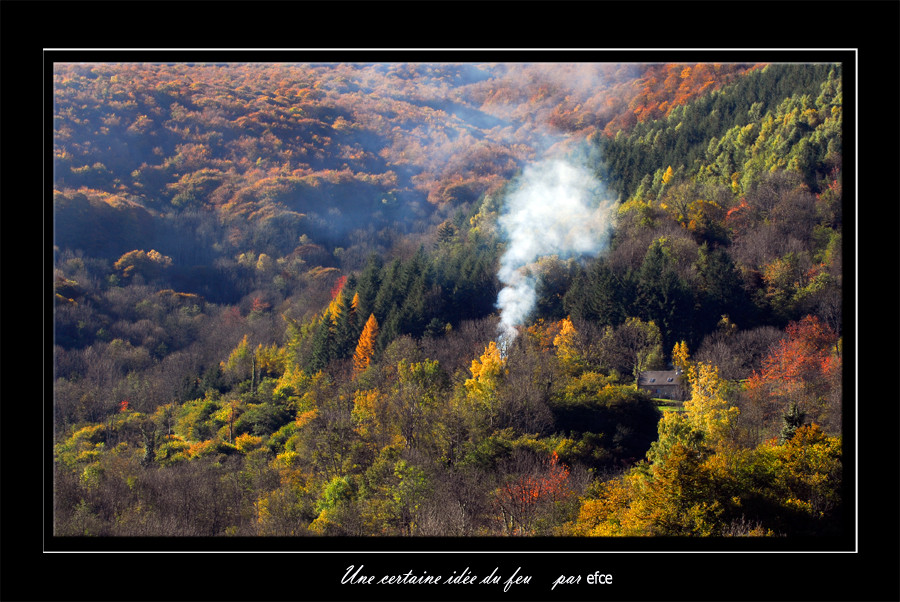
667	384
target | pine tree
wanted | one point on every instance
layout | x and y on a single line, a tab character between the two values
663	297
322	351
413	311
792	420
388	330
390	291
445	232
367	289
345	329
607	296
721	286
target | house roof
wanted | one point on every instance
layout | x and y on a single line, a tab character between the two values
656	378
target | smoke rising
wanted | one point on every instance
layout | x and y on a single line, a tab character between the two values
558	208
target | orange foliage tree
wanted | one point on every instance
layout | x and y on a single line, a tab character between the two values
365	349
805	369
522	499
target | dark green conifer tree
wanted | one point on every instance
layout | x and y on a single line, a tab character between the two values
413	311
389	330
389	293
722	290
609	295
322	347
367	288
792	419
664	298
345	329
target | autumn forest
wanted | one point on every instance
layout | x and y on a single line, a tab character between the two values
418	299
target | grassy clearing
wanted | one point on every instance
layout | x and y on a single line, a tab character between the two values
669	405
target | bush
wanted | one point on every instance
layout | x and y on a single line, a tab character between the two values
194	421
282	439
247	442
174	449
211	447
262	419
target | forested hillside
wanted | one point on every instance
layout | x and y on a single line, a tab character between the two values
277	290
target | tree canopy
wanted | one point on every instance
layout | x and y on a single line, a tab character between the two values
275	294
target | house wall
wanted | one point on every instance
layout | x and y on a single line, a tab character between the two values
665	391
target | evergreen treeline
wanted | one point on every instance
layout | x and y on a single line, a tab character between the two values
714	135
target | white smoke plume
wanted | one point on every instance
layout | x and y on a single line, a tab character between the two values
559	209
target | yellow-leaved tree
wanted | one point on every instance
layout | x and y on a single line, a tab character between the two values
680	489
483	388
667	176
240	364
681	359
708	409
272	359
566	347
